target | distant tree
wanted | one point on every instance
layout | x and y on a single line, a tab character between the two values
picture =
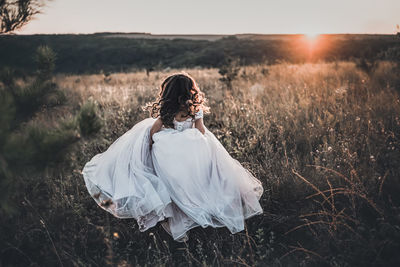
14	14
229	71
148	70
398	30
392	53
365	65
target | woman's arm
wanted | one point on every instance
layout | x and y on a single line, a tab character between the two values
198	123
155	128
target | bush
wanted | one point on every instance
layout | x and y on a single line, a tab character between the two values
88	121
26	145
229	71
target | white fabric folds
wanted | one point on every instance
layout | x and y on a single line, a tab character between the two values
187	179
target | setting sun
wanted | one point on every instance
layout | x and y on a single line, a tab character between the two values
311	36
311	40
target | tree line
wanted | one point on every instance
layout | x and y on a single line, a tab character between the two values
92	53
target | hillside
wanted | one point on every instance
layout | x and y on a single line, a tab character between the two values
116	52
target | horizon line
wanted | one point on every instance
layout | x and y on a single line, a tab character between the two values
198	34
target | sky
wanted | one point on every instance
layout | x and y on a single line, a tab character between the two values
217	16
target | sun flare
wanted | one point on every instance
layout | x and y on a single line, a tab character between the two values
311	36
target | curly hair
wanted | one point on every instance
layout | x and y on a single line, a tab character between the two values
178	92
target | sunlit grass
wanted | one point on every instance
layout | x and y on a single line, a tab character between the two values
323	138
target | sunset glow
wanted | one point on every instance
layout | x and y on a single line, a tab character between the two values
311	36
311	41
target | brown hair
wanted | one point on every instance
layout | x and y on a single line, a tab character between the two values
178	92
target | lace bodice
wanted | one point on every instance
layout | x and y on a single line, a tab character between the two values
188	123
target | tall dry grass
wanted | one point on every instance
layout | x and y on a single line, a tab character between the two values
323	139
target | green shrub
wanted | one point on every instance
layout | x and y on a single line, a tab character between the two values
88	120
28	146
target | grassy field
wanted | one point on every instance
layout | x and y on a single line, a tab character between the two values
323	138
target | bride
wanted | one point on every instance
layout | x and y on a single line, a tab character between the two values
171	169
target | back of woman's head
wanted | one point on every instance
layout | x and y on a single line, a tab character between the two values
178	92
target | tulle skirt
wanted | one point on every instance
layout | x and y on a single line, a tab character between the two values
185	180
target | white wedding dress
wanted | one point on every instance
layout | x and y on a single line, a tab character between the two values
187	178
